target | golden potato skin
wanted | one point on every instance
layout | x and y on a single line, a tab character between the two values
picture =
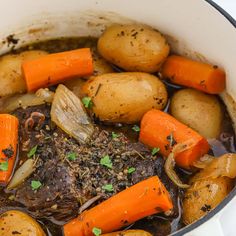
125	97
100	65
76	85
204	196
133	47
200	111
133	232
11	78
17	221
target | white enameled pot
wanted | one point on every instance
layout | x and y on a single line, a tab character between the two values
195	28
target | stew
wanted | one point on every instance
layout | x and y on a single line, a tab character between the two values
111	136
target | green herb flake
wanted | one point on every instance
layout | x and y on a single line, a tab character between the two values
131	170
71	156
32	151
4	166
97	231
106	161
87	101
35	184
114	135
136	128
155	151
108	188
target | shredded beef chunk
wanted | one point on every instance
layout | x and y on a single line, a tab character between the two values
71	174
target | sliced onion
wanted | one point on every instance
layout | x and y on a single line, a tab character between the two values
170	162
169	169
26	100
203	161
89	203
69	114
23	172
223	166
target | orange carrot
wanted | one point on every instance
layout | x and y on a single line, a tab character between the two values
143	199
198	75
8	145
54	68
158	129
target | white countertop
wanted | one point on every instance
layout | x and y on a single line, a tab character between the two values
228	5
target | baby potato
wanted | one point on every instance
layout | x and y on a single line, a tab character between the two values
15	222
76	85
133	47
203	196
125	97
11	78
100	65
132	232
200	111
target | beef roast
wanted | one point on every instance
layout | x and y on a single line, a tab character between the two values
69	183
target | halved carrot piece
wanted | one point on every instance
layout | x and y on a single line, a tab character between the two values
8	145
158	129
142	199
194	74
54	68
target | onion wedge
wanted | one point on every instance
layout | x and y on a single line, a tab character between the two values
10	104
69	114
23	172
170	163
223	166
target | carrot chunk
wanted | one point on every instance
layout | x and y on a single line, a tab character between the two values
142	199
54	68
158	129
8	145
194	74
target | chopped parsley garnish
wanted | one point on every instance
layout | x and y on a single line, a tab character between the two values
35	184
71	156
106	161
171	140
108	187
155	151
97	231
4	166
87	101
114	135
32	151
136	128
131	170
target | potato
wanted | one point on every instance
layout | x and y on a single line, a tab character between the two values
11	78
133	232
125	97
100	65
204	196
75	85
15	222
133	47
200	111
